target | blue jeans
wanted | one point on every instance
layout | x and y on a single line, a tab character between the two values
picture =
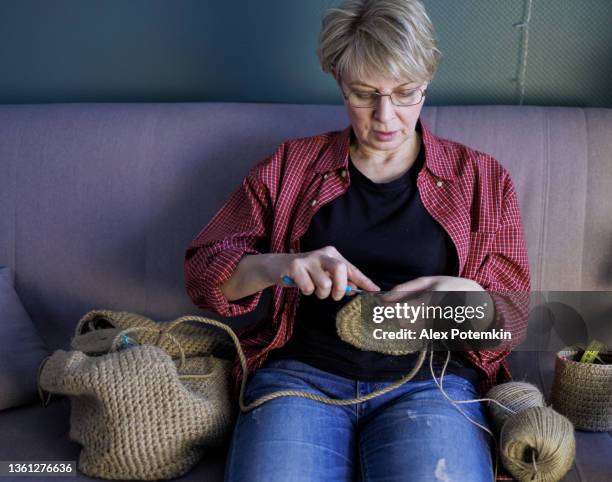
410	434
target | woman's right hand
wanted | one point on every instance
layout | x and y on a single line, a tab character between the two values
323	272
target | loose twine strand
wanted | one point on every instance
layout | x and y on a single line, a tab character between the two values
456	403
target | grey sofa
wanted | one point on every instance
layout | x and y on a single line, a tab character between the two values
99	201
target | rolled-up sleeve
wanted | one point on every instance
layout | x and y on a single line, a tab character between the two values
505	275
507	264
241	227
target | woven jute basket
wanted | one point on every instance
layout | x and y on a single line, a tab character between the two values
583	392
138	413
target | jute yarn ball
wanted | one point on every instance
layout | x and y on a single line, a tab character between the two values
538	445
517	396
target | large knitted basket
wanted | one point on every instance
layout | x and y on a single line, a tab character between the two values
137	415
583	392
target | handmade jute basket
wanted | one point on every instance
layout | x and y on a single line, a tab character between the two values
358	330
138	413
583	392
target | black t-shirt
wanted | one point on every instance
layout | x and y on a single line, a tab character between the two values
386	232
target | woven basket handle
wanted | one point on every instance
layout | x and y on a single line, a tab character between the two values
115	344
200	376
292	393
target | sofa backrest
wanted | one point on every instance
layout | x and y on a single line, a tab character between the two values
99	201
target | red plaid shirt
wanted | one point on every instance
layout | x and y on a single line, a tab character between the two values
468	192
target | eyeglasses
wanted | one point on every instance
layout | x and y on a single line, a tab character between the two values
400	98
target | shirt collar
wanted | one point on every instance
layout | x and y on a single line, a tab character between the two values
437	160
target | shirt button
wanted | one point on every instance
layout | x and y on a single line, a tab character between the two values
439	183
343	172
313	202
325	176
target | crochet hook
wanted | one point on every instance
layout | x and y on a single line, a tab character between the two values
349	289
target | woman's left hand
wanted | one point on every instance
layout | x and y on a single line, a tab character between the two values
419	290
430	283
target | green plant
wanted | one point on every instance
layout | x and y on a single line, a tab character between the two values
594	352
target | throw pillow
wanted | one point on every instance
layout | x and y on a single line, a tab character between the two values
21	348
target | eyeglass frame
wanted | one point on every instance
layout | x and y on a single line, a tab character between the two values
421	90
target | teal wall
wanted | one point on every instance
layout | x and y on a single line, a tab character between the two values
264	51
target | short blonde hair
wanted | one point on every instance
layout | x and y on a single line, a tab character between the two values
367	38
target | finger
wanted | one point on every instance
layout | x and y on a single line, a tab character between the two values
355	277
353	291
413	297
322	281
339	274
409	288
393	297
360	280
418	284
356	288
338	270
301	276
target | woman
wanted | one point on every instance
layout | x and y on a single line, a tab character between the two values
381	205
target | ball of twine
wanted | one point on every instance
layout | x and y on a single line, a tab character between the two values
517	396
537	444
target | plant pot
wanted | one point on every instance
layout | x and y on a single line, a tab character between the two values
583	392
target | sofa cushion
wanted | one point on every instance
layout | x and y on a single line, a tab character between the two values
34	432
21	347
